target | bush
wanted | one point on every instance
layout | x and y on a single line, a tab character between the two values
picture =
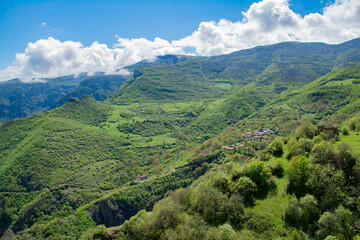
345	131
323	153
298	174
276	147
327	184
245	187
302	214
306	130
209	202
354	124
263	155
277	169
346	159
338	223
260	175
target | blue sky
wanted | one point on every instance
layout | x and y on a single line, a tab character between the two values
89	21
168	26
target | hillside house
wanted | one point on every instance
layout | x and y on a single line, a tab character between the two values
143	177
229	148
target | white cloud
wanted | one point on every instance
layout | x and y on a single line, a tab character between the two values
51	57
265	22
43	24
272	21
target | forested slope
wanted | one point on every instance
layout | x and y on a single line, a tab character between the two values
73	172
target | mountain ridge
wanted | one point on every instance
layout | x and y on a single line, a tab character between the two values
191	144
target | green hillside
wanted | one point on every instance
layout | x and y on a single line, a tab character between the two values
308	196
277	68
265	151
18	99
335	94
99	87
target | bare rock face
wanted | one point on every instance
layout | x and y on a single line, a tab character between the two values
112	213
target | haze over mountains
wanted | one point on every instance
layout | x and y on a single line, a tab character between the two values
238	146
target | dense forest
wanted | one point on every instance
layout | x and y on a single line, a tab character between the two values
257	144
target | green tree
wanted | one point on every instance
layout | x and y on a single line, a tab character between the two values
246	188
327	183
346	159
306	130
276	147
338	223
260	175
323	153
298	174
210	203
302	213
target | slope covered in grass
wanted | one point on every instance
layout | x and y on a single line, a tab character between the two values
65	173
279	67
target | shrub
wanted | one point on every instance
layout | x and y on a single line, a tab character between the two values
298	174
323	153
261	176
346	159
306	130
245	187
327	184
263	155
353	124
338	223
276	147
345	131
277	169
303	213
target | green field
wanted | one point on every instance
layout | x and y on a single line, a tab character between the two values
225	86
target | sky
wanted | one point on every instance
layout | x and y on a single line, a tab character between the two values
53	38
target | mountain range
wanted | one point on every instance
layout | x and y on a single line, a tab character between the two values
231	147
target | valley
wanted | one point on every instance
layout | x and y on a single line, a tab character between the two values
71	172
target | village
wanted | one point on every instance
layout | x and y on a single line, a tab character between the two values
250	136
257	135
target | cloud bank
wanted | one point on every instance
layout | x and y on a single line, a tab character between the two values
272	21
50	57
265	22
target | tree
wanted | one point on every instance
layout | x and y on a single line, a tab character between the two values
323	153
210	203
302	214
306	130
276	147
327	183
246	188
346	159
298	174
338	223
260	175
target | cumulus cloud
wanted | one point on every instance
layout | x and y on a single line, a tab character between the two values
43	24
272	21
265	22
51	58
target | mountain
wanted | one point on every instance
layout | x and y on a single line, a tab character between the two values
250	156
19	99
99	87
275	68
